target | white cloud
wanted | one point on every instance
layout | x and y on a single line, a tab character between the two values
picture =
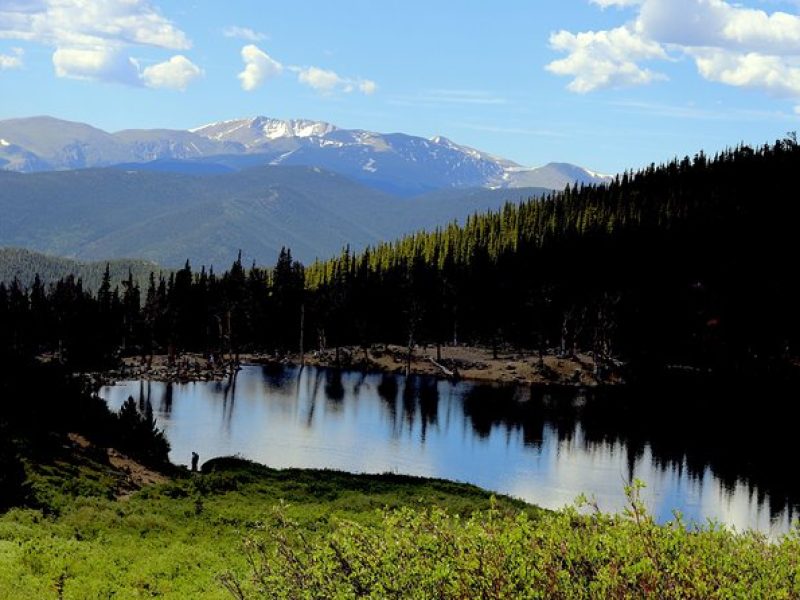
93	64
243	33
64	23
599	59
11	61
367	86
716	23
91	39
729	43
259	66
322	80
771	73
175	74
327	82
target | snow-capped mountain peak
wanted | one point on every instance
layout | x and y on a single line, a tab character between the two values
302	128
256	131
395	162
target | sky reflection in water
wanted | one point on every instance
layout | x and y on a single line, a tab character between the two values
375	423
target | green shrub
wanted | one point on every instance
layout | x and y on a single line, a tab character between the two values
429	553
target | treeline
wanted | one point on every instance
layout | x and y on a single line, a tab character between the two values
688	263
239	310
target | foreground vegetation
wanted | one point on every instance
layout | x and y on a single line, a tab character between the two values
177	539
239	530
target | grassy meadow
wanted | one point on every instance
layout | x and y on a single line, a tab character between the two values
240	530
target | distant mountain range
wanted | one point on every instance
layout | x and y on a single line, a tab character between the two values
259	184
396	163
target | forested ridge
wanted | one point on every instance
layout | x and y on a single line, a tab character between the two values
25	265
685	264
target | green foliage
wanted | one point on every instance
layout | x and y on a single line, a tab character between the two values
157	542
138	434
324	534
12	471
430	553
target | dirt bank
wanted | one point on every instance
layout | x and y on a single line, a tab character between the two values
454	362
472	363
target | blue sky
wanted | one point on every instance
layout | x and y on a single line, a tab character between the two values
607	84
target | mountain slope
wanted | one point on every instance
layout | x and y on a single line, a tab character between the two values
45	143
24	265
97	214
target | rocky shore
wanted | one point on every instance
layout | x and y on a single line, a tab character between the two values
451	362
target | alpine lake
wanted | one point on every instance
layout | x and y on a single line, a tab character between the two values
545	445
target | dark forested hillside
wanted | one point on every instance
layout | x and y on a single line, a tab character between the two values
25	265
688	264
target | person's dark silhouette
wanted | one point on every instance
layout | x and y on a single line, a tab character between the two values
195	458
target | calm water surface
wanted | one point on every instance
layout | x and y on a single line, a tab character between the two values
536	445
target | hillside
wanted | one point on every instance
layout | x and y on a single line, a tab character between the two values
24	265
687	264
165	217
241	531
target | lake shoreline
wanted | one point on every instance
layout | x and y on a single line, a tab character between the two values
469	363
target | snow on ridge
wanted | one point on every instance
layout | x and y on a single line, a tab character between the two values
597	175
302	128
4	142
213	125
280	159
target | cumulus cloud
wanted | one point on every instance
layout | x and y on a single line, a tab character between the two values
175	74
259	66
598	59
100	63
729	44
322	80
11	61
367	86
65	23
328	82
92	38
243	33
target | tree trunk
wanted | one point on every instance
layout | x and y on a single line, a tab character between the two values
302	332
408	355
